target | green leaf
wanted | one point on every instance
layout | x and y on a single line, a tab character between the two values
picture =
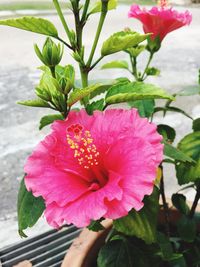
65	72
165	246
190	145
178	110
135	51
179	201
125	92
192	90
34	103
46	120
33	24
141	224
196	125
79	94
178	260
29	208
152	71
145	107
96	105
172	109
167	132
120	41
96	7
187	228
170	161
100	90
118	64
48	84
96	226
115	253
174	153
167	254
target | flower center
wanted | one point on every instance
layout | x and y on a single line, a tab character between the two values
82	143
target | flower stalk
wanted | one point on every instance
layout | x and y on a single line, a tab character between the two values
147	66
104	11
61	16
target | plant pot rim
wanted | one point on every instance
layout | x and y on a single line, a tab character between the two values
86	247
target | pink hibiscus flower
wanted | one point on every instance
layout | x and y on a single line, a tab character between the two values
97	166
160	20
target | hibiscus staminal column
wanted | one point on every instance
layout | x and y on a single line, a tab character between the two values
163	3
93	167
85	152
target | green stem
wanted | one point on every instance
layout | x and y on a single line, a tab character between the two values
165	205
134	67
104	11
96	62
53	71
64	23
148	63
85	9
61	40
78	24
79	29
84	80
66	112
84	77
195	203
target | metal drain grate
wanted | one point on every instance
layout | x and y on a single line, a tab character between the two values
45	250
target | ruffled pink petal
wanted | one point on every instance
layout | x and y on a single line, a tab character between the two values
90	206
45	179
129	153
135	160
160	21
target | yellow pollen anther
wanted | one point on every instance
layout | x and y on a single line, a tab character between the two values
163	3
81	142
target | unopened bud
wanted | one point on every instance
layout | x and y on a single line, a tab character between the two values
51	54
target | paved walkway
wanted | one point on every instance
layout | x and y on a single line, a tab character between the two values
179	60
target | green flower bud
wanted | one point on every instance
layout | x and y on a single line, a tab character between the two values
51	54
66	78
78	58
43	93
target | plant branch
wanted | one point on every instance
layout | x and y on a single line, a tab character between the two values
148	63
78	26
61	16
61	40
96	62
195	203
134	67
85	9
164	201
104	11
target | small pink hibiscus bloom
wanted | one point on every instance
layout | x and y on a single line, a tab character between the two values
160	20
96	166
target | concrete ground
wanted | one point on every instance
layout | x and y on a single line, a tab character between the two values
179	61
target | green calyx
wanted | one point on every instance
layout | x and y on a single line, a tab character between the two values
153	45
